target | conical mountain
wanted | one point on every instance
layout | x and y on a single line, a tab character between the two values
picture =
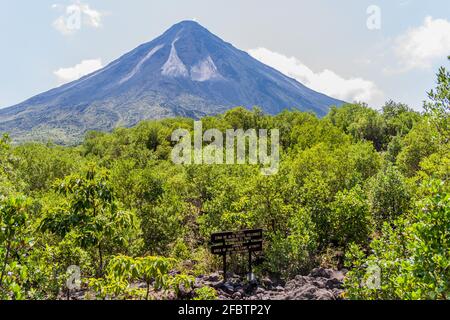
187	71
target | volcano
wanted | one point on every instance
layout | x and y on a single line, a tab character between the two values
187	71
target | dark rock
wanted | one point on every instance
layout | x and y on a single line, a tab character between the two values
228	287
322	294
321	273
213	277
333	283
306	293
174	272
267	283
279	289
339	275
253	282
237	295
301	280
320	284
260	290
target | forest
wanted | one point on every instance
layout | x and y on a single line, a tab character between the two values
355	189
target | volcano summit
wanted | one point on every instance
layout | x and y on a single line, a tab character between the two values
187	71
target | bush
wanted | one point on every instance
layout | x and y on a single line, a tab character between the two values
412	254
205	293
351	218
292	253
388	195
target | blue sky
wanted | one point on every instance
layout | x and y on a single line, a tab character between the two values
391	51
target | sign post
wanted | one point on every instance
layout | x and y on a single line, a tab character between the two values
250	272
224	243
224	267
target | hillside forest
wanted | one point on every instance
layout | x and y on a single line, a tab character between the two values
356	189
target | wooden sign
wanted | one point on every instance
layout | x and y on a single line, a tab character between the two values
237	248
245	241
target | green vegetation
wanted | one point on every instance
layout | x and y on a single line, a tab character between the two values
359	188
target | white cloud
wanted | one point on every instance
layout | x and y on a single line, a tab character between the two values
420	46
61	25
76	72
326	81
76	16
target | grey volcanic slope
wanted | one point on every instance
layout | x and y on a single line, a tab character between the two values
187	71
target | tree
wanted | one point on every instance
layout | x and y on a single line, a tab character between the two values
14	215
162	223
412	254
351	221
153	270
361	122
91	214
399	118
388	195
40	165
353	182
9	182
438	108
430	243
291	252
417	145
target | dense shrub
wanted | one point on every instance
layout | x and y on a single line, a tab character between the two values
370	184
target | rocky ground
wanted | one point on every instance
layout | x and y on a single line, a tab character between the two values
320	284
